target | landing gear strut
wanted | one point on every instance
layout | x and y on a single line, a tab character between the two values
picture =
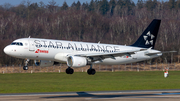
91	71
69	70
26	65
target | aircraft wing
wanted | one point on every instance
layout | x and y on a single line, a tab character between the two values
109	55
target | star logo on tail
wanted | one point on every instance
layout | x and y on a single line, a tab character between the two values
149	38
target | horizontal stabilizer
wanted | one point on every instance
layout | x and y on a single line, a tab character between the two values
169	51
149	54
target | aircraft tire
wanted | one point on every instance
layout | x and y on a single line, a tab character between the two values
25	67
91	71
69	70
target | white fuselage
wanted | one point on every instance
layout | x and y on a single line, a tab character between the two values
59	50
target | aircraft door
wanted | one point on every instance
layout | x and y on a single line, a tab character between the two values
31	45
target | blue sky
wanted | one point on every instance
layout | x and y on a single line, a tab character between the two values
59	2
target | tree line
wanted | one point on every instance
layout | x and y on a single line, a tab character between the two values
107	21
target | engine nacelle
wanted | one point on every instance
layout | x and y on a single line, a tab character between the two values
44	63
62	57
75	61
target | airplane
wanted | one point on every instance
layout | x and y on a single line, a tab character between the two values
47	52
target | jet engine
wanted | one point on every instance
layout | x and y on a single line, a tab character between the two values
43	63
75	61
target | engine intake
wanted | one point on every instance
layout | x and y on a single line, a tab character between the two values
75	61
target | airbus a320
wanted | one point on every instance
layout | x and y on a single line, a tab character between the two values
46	52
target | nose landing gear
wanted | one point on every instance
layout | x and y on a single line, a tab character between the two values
26	64
25	67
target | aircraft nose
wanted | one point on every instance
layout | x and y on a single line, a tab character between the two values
7	50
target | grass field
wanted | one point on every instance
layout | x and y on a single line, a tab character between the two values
101	81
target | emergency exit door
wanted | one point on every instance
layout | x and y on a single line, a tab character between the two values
31	45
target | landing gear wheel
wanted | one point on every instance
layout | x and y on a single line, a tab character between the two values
69	70
25	67
91	71
26	64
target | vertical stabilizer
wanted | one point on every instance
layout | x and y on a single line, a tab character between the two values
148	37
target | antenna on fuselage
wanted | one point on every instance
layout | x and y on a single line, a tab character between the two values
99	42
29	37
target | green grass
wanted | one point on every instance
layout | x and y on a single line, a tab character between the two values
101	81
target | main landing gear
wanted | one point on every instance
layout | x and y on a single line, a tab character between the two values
69	70
91	71
26	65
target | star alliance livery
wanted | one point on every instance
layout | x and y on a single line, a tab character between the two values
46	52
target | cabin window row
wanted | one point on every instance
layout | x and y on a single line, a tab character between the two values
78	49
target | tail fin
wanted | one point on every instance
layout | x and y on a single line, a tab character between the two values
148	37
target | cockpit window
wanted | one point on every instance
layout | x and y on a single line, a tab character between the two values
14	43
21	44
17	43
